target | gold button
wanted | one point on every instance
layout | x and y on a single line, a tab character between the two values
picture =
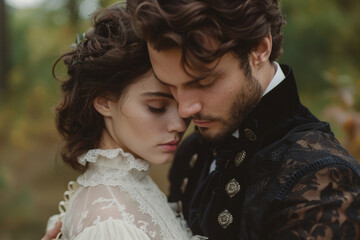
232	188
240	157
193	160
225	218
250	134
214	153
184	184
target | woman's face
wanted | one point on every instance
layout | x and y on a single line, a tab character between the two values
145	121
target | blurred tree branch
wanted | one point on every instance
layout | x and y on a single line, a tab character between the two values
4	63
73	7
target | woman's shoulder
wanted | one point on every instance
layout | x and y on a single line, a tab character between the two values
102	208
90	206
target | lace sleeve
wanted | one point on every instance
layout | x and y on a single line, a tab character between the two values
112	229
88	211
322	205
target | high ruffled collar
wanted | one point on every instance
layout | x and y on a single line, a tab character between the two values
110	166
93	155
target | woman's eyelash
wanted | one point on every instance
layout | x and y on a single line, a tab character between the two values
157	110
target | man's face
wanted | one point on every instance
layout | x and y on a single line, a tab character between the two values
216	103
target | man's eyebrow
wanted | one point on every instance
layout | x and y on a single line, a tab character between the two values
164	83
191	82
157	94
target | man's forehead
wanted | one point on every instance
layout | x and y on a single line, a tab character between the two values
205	40
168	64
190	80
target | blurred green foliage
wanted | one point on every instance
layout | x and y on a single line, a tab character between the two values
321	44
321	35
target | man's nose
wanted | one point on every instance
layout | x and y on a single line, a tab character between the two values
189	103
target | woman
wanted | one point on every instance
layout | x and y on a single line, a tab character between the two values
116	119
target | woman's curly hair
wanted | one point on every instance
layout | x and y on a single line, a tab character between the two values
107	61
238	25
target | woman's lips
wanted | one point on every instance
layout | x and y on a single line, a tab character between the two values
170	146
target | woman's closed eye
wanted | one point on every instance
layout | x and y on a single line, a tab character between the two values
156	109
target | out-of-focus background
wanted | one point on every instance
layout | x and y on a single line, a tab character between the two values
322	44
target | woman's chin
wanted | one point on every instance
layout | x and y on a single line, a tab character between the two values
162	158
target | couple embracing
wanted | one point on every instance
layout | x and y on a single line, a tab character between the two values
259	165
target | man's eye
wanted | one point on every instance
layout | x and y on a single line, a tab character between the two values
157	110
206	82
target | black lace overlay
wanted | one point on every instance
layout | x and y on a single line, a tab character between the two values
321	205
320	194
309	189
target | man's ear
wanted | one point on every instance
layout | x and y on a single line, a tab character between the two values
260	55
102	105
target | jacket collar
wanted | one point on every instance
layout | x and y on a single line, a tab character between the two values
271	113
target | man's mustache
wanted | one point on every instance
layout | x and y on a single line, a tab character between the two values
200	117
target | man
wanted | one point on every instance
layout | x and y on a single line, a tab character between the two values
259	165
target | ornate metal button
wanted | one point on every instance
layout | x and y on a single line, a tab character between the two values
193	160
184	184
225	218
240	157
232	187
250	134
214	153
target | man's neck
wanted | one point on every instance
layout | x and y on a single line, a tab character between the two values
266	74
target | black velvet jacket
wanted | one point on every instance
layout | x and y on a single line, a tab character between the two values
285	177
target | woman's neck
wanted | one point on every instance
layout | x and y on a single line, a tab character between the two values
107	141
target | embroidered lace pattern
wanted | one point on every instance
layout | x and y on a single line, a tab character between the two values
323	203
323	206
117	186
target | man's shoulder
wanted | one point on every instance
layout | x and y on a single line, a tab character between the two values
309	151
300	155
312	145
306	143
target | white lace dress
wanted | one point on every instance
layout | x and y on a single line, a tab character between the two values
117	199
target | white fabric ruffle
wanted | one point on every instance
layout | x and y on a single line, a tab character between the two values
93	155
110	167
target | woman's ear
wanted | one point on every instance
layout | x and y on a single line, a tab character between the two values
102	105
261	54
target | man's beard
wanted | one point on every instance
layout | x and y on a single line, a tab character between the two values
247	99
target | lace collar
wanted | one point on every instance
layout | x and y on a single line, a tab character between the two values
93	155
109	167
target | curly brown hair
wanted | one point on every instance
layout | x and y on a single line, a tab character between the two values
238	25
105	63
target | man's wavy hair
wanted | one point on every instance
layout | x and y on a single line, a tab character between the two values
238	25
105	63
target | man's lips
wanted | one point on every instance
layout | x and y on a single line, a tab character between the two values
202	123
170	146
